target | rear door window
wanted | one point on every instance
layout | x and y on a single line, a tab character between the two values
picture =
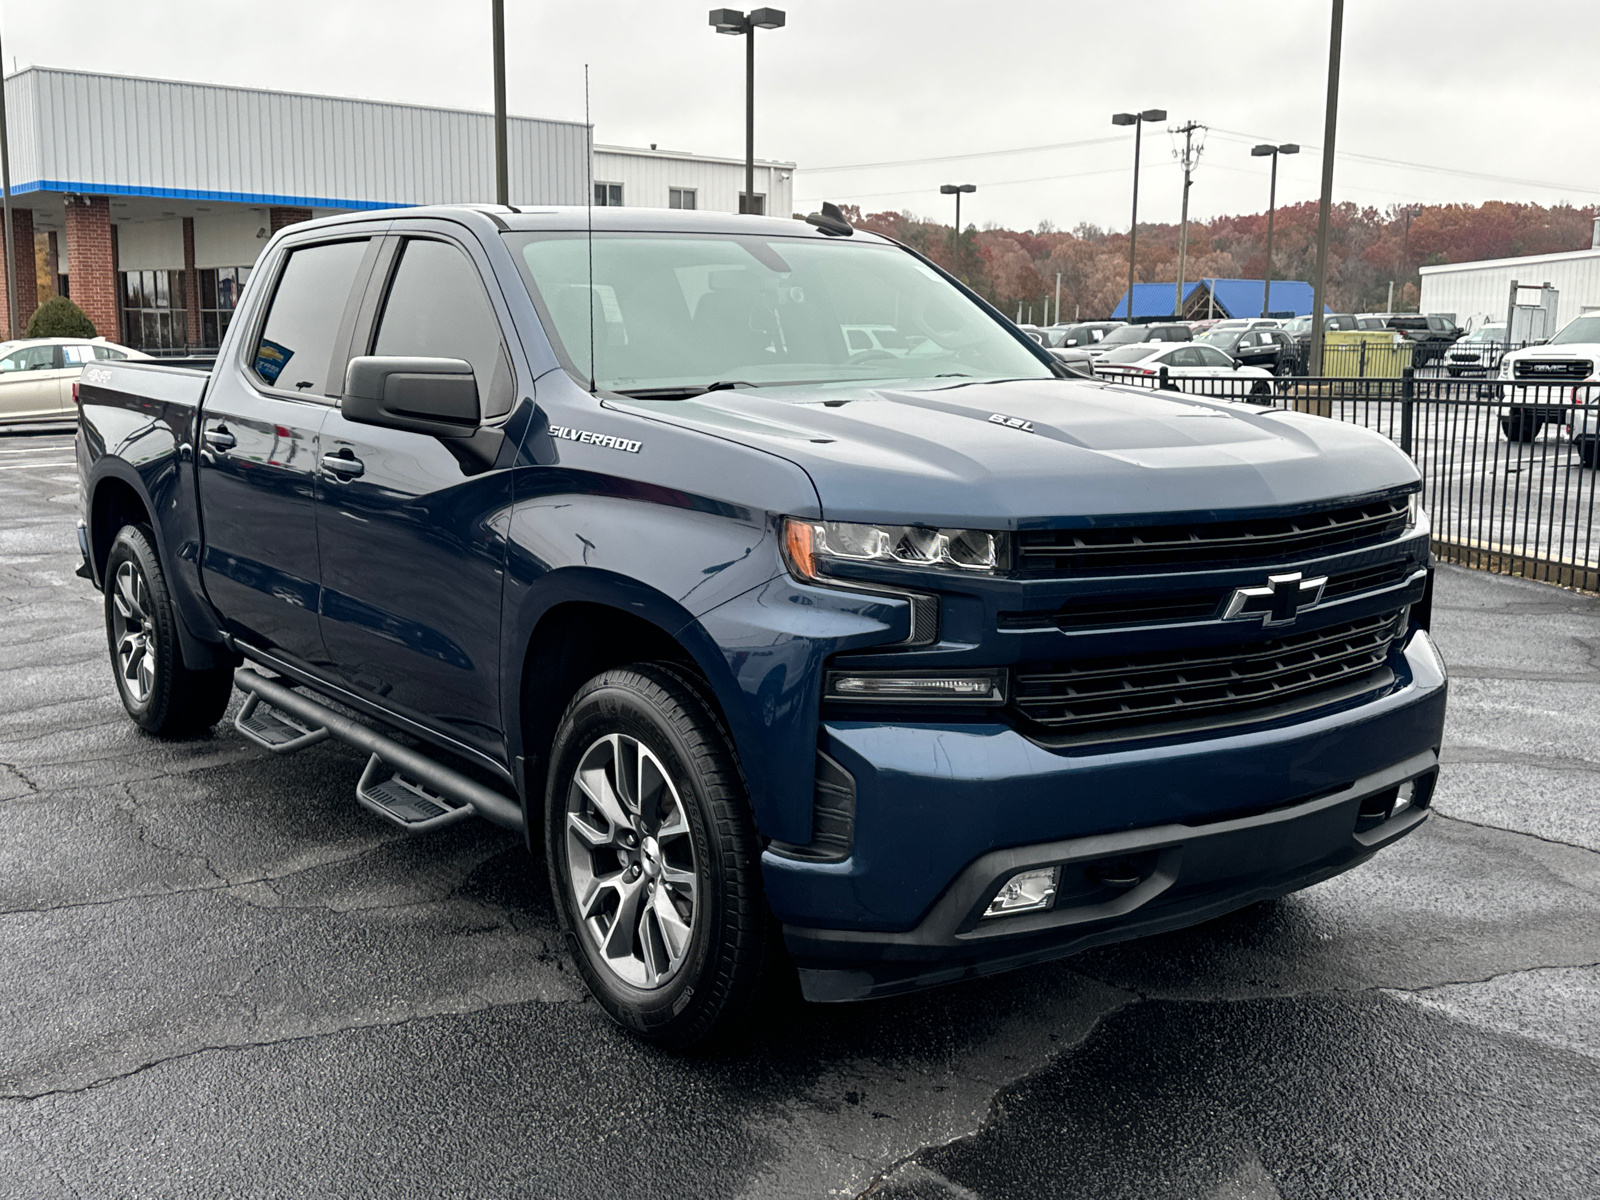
437	308
295	350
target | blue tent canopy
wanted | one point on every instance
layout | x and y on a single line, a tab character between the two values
1232	297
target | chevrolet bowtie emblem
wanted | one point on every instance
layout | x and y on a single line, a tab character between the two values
1279	602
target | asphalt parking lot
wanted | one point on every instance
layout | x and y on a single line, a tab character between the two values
223	978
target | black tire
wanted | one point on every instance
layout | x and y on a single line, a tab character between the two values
164	697
1588	452
1260	392
1520	425
731	951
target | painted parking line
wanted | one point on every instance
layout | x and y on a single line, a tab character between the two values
34	466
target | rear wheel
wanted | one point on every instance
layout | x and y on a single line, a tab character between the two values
654	860
163	696
1588	452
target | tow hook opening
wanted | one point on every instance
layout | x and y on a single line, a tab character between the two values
1392	802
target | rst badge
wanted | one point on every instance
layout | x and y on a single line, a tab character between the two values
566	433
1011	422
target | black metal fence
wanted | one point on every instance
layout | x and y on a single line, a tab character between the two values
1380	356
1508	469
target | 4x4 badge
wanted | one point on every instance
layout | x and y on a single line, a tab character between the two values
1278	602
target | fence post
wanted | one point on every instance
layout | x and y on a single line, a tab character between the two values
1163	384
1361	367
1408	392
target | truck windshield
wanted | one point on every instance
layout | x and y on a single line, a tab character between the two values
1579	329
684	311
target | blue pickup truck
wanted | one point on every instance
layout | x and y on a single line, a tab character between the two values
887	667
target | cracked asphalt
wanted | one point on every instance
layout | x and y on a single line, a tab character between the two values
223	978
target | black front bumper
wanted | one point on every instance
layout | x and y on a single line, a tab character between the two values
1187	874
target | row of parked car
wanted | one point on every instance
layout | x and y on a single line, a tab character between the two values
1276	347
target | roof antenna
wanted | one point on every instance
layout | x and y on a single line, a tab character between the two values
589	211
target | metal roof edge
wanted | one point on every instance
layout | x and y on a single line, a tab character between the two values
233	87
1559	256
689	156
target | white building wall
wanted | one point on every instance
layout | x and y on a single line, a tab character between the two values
647	176
1478	292
74	131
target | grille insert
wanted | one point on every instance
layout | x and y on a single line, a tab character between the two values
1212	682
1555	370
1266	540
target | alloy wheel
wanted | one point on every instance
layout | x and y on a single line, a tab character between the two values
133	632
631	863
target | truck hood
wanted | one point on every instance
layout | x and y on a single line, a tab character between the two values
1020	453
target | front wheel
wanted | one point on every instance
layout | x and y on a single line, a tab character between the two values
1521	425
653	857
1588	452
163	696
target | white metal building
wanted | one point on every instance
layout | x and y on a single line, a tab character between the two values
1478	292
673	179
147	201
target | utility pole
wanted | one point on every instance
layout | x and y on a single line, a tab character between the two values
1058	297
1191	157
1331	121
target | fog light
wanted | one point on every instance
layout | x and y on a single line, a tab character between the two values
1029	891
973	687
1403	796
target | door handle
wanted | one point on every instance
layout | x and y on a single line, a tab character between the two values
344	464
220	439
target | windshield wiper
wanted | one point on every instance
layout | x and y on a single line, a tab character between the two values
685	391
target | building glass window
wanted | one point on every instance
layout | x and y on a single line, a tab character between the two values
608	195
155	313
219	295
755	205
681	198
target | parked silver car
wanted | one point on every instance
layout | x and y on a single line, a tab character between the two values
37	374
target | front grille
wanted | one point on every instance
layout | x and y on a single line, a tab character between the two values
1163	609
1213	682
1554	370
1266	541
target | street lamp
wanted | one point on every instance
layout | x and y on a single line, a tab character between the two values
1263	151
1137	120
956	190
732	21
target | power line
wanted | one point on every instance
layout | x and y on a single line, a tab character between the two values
850	197
1237	135
915	162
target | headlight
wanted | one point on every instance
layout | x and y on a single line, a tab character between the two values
1505	368
810	546
1417	520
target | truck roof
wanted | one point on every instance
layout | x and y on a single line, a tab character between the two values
601	219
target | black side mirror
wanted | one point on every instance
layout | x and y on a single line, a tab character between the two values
436	396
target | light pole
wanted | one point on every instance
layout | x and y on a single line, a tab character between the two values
732	21
1137	120
1263	151
11	242
957	190
1319	283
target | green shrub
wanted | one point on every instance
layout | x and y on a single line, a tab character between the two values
60	317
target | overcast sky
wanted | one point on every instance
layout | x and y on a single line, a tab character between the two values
1470	101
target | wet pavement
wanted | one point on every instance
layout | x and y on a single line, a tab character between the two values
224	978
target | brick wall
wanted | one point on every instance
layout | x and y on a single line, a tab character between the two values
277	218
92	261
27	271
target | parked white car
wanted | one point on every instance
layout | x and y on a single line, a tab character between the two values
37	374
1184	360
